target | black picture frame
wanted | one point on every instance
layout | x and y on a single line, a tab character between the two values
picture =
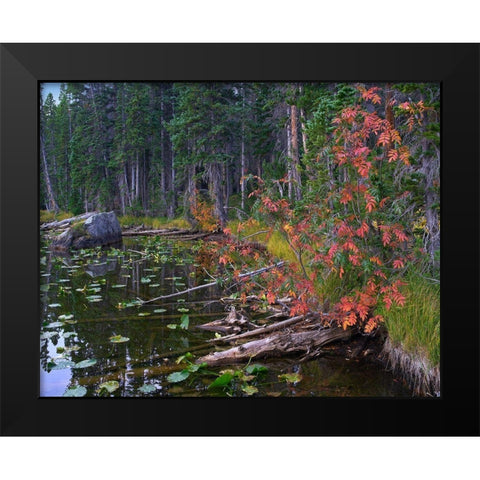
24	66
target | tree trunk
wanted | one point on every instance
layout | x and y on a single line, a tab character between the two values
289	157
242	159
216	191
52	204
302	124
295	158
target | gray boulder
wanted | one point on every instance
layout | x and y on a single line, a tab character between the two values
99	229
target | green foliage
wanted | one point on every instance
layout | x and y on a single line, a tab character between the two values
223	380
51	216
255	369
183	325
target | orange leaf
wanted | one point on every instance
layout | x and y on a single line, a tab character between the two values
270	297
371	202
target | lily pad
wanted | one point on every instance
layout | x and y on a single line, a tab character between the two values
54	325
222	380
249	389
144	314
94	290
183	310
65	316
145	280
274	394
94	298
153	285
118	339
86	363
55	305
178	376
74	348
77	391
60	365
118	286
160	310
290	377
147	389
46	335
108	387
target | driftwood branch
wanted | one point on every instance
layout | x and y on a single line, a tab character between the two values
212	284
168	233
254	234
259	331
281	344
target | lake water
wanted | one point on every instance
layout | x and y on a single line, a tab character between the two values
95	338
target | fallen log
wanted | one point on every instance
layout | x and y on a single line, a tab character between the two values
281	344
159	232
66	221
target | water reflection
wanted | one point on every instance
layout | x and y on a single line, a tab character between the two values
90	296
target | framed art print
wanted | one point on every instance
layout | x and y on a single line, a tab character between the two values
239	239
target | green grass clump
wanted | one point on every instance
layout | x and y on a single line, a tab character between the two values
279	247
331	289
249	230
256	232
47	216
416	325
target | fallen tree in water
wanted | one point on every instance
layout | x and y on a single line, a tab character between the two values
302	335
174	233
306	343
212	284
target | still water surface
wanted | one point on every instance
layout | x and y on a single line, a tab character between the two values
88	304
